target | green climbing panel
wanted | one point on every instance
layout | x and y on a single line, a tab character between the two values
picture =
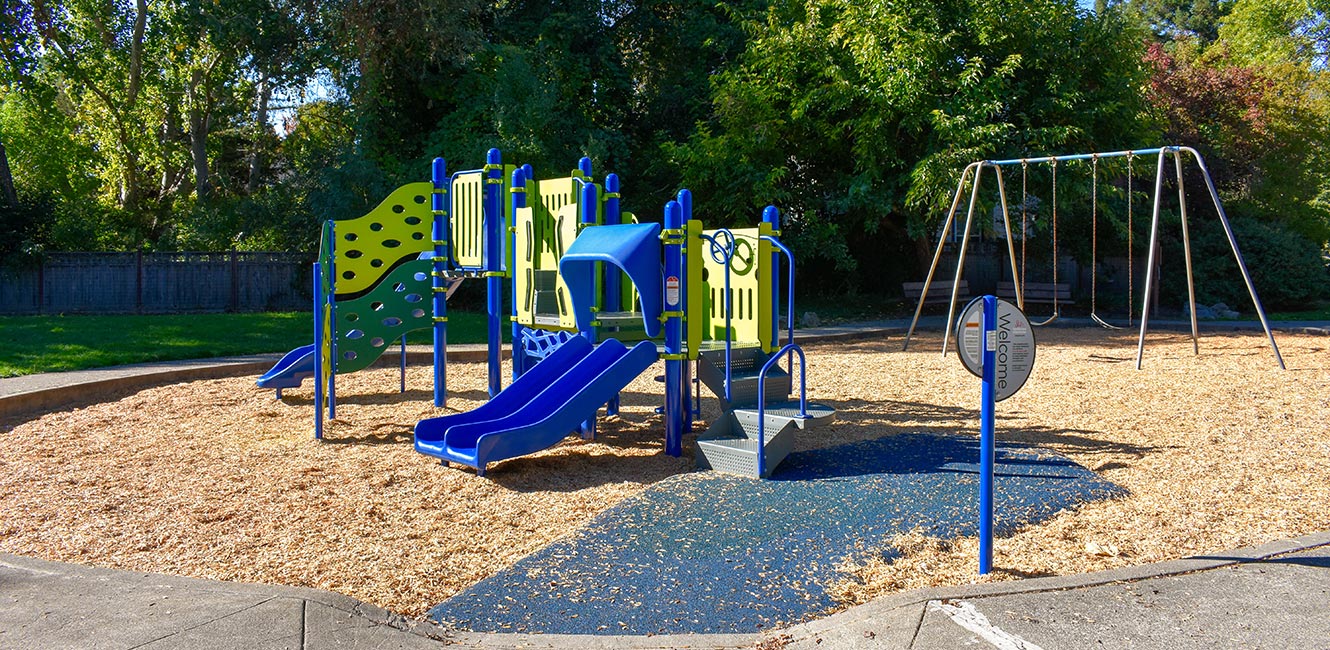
366	247
366	325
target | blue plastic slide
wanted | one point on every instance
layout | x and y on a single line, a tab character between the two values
293	368
563	391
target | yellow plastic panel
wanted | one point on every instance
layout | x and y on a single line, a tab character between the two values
524	265
467	220
566	227
367	247
695	317
748	292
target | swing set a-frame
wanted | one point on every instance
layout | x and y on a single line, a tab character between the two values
974	172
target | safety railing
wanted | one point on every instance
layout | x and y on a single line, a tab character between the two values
792	349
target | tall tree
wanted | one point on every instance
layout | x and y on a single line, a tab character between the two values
857	117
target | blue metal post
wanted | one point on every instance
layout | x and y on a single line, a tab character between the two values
584	164
519	201
494	262
318	351
589	203
674	385
771	216
685	199
613	301
330	298
439	287
613	216
986	437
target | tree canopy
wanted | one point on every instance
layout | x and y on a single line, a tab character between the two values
143	124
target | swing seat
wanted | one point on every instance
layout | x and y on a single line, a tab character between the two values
1038	292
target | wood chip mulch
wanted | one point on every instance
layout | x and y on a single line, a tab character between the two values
216	479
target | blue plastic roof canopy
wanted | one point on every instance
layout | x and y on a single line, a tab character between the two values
633	248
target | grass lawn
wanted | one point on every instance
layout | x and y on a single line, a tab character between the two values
32	344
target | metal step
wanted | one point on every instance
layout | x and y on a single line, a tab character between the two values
731	446
778	413
745	364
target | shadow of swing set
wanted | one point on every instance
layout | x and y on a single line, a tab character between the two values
597	298
972	176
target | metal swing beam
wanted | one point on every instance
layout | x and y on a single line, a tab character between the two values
976	168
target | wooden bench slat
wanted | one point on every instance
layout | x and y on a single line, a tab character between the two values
939	291
1037	291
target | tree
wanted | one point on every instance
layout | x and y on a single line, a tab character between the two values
1169	19
1280	31
857	117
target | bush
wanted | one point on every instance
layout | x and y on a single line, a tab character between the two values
1287	268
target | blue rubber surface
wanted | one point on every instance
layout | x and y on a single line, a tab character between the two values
292	369
712	553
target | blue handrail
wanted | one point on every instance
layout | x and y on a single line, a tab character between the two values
726	253
789	310
762	399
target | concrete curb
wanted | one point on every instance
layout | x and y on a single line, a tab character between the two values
864	616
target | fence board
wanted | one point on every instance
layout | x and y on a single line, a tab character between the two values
156	283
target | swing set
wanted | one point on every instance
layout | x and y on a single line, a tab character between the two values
977	168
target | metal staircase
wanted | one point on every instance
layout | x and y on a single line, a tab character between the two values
730	444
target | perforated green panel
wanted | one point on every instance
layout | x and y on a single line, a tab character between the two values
367	325
366	247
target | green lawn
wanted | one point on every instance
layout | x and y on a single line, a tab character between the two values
32	344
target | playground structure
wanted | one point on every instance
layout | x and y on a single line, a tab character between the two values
976	168
597	298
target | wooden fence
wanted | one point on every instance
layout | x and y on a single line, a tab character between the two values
158	283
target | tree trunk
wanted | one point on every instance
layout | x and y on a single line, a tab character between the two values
6	179
260	134
198	136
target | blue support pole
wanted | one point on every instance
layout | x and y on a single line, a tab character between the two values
771	216
330	298
613	301
318	351
494	262
439	288
584	165
986	418
518	190
589	203
685	199
674	384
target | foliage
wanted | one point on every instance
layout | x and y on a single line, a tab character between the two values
1168	19
145	124
857	117
1287	268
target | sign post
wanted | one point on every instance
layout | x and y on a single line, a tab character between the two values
996	343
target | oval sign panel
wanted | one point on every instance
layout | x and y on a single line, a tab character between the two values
1013	345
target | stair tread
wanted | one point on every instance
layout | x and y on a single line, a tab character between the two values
789	411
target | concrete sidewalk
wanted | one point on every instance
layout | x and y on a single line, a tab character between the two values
1272	596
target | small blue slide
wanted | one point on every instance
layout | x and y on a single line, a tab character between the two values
294	367
540	408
